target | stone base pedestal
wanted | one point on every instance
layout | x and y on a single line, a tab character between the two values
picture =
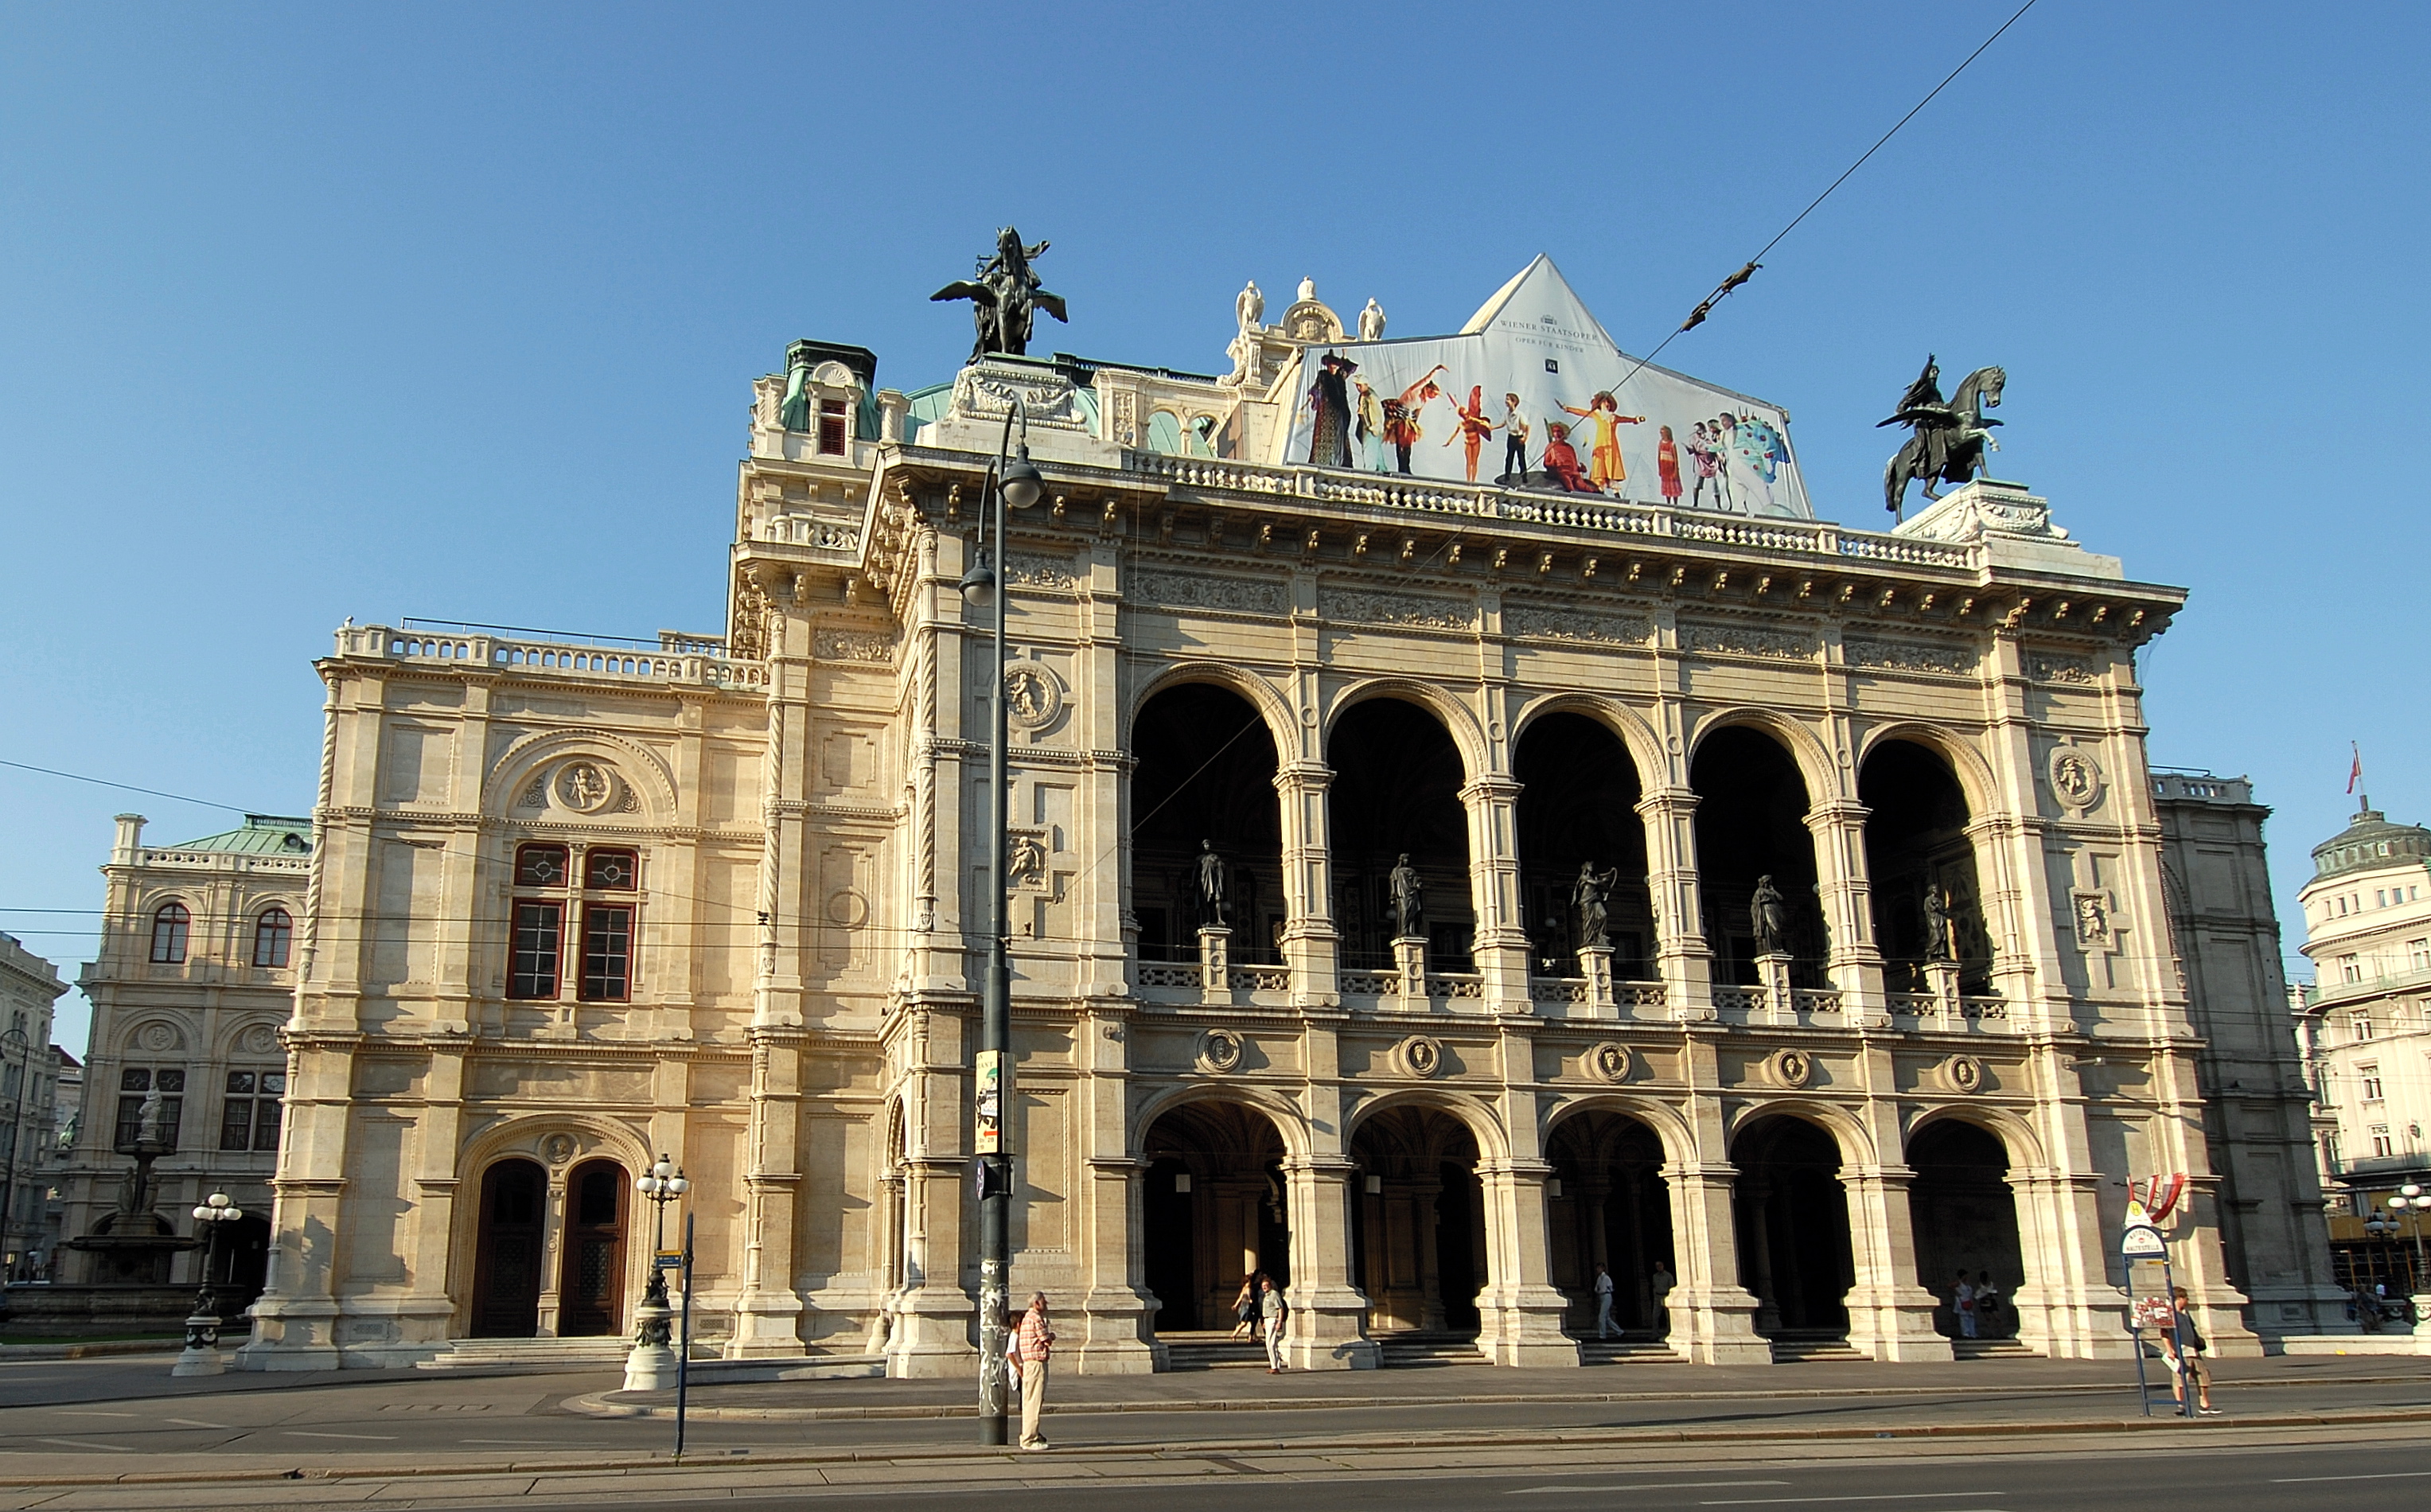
1215	965
1941	981
1716	1326
201	1356
1410	963
1522	1326
1895	1323
1772	984
651	1367
1594	963
931	1337
1327	1330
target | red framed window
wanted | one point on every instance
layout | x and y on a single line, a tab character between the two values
538	939
612	871
831	428
169	922
607	952
541	866
273	933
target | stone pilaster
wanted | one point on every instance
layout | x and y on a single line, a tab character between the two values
1683	958
1328	1328
1312	944
769	1311
1501	948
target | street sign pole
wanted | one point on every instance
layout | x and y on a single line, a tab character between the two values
2141	1241
683	1351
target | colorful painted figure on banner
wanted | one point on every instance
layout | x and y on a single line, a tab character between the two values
1604	466
1514	440
1667	466
1758	447
1401	417
1472	427
1329	399
1562	461
1713	468
1369	426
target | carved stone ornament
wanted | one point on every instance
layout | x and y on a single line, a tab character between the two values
1749	640
1219	1051
536	794
1190	590
1032	570
1033	694
848	909
2075	778
260	1039
1609	1061
1421	1056
1963	1073
1908	656
2050	668
1025	858
987	393
558	1148
2092	911
586	787
1791	1069
1356	606
157	1037
853	645
1576	625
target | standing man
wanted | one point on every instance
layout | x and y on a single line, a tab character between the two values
1272	1311
1603	1303
1036	1339
1962	1301
1661	1282
2182	1349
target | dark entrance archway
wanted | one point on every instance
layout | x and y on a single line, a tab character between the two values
507	1250
1792	1221
1916	847
1418	1231
1614	1210
1578	800
591	1279
1966	1218
1206	772
1752	807
1396	791
1215	1210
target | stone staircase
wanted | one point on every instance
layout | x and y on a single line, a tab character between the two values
1623	1351
1210	1350
589	1353
1801	1349
1421	1347
1991	1349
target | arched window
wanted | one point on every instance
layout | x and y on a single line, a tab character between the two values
272	933
169	926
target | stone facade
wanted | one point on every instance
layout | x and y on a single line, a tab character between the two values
29	986
725	899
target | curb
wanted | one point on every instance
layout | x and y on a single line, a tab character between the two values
87	1351
911	1457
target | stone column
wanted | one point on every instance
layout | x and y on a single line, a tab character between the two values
296	1320
1312	944
1712	1316
769	1311
1520	1312
1328	1315
1683	958
1855	964
1890	1313
1501	946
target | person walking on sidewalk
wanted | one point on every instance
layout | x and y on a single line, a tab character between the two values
1244	1307
1987	1305
1962	1302
2183	1347
1035	1340
1272	1311
1603	1301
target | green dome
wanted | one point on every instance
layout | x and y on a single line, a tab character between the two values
2370	842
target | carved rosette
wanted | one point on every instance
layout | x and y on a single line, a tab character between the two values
1420	1056
1609	1061
1219	1051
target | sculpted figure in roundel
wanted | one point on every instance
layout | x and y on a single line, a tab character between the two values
1219	1051
1422	1056
585	786
1792	1068
2074	778
1610	1060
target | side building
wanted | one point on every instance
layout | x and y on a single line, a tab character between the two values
29	990
2368	934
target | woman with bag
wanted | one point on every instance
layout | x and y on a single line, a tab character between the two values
1244	1307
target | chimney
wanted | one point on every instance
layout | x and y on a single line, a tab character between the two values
130	839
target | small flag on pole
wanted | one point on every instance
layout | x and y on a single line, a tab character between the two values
2354	773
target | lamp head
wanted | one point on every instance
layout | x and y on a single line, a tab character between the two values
664	1169
678	1185
646	1184
2411	1190
979	583
217	1199
1022	481
202	1214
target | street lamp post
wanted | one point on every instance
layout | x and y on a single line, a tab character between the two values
2412	1197
1016	482
201	1356
651	1363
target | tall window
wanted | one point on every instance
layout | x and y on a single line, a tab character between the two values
2350	968
271	935
570	885
607	952
2418	955
2370	1075
831	428
169	925
137	1082
249	1118
2381	1144
2362	1024
540	933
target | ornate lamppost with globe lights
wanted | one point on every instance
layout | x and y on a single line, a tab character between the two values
2408	1207
201	1356
651	1364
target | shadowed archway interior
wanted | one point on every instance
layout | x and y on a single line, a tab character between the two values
1578	798
1396	780
1916	844
507	1250
1418	1237
1752	807
1966	1218
1792	1218
1206	772
1215	1210
1614	1210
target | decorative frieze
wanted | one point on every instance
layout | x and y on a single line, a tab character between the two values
1190	590
1908	656
853	645
2051	667
1610	628
1749	640
1360	606
1034	571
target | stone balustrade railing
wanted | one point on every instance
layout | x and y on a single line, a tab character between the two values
552	658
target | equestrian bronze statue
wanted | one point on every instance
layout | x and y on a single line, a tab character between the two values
1950	438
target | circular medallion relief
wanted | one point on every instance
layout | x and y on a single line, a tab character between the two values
1792	1068
159	1037
848	909
260	1039
586	787
1609	1061
1219	1051
1964	1073
2075	778
558	1148
1033	695
1421	1055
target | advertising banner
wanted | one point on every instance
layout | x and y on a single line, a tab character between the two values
1533	393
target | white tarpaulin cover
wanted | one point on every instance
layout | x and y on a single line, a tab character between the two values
1440	406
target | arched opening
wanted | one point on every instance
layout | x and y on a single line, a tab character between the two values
1966	1219
1793	1220
591	1282
1752	824
1578	802
1612	1208
1396	791
507	1250
1205	778
1214	1212
1920	868
238	1264
1418	1234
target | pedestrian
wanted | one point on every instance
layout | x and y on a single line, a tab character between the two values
1603	1301
1660	1283
2183	1347
1034	1340
1273	1310
1987	1304
1244	1307
1962	1301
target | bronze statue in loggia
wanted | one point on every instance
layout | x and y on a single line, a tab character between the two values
1003	293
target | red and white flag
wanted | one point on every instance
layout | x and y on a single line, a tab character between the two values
2354	773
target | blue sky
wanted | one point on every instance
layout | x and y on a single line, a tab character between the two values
311	311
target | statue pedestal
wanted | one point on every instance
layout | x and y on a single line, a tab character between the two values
1772	979
1941	981
1410	961
1594	963
651	1364
201	1356
1215	965
1058	426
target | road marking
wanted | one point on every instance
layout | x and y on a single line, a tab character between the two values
80	1443
71	1412
1637	1486
306	1433
191	1422
1883	1496
2383	1475
527	1443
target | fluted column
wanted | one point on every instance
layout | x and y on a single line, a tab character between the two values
1501	946
1312	944
1682	957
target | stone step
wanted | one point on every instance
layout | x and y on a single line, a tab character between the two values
1991	1349
1211	1350
1413	1348
485	1354
1623	1351
1814	1351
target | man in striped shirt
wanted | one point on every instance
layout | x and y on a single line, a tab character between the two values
1033	1342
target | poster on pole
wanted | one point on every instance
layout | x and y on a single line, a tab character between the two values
1533	393
987	1121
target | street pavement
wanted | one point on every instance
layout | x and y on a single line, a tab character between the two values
122	1434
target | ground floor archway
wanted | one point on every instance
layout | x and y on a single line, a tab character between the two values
591	1260
1966	1219
1419	1221
507	1250
1792	1218
1215	1211
1610	1207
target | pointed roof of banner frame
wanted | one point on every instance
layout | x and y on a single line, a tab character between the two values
1538	298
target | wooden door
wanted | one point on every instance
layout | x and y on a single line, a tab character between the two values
507	1250
591	1282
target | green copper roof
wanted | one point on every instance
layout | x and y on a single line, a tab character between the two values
264	834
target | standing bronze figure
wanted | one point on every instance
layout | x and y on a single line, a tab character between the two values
1951	438
1003	293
